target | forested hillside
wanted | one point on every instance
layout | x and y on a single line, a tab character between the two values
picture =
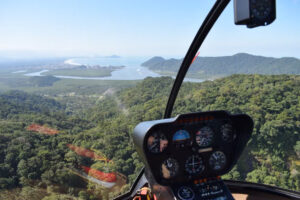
17	102
212	67
34	161
273	103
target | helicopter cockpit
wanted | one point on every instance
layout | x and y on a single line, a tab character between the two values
190	152
186	156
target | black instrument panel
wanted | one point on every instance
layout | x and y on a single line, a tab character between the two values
195	145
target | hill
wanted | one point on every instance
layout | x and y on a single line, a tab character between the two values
272	154
241	63
39	161
18	102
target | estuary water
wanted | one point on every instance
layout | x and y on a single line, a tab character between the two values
132	70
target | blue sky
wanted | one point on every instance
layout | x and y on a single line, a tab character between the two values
137	28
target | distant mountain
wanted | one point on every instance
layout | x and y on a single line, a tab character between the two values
154	62
241	63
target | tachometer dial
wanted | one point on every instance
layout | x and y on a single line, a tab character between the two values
204	136
217	160
157	142
227	132
194	164
169	168
186	193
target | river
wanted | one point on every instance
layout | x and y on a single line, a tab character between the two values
132	70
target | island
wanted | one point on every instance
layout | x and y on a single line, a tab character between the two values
84	71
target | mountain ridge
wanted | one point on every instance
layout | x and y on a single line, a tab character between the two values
240	63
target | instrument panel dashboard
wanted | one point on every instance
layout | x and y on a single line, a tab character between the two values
192	146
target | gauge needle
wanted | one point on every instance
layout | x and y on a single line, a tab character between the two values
215	156
153	146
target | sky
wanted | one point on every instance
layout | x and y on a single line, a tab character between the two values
49	28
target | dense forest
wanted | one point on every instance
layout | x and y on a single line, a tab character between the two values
37	165
43	81
241	63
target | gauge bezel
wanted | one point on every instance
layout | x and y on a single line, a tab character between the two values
211	139
233	132
177	168
223	165
185	143
202	166
161	134
178	194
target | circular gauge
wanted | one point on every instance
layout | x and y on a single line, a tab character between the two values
227	132
169	168
217	160
204	136
260	8
194	164
185	193
181	138
157	142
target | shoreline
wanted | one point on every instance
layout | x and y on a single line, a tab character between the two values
71	62
130	70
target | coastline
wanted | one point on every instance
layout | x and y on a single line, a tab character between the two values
71	62
131	70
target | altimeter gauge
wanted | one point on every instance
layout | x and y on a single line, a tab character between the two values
217	160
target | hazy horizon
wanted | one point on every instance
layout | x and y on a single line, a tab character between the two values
26	56
102	28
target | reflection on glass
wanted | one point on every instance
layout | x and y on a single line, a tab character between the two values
169	168
107	178
157	142
227	132
42	129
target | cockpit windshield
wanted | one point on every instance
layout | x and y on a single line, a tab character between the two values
76	77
